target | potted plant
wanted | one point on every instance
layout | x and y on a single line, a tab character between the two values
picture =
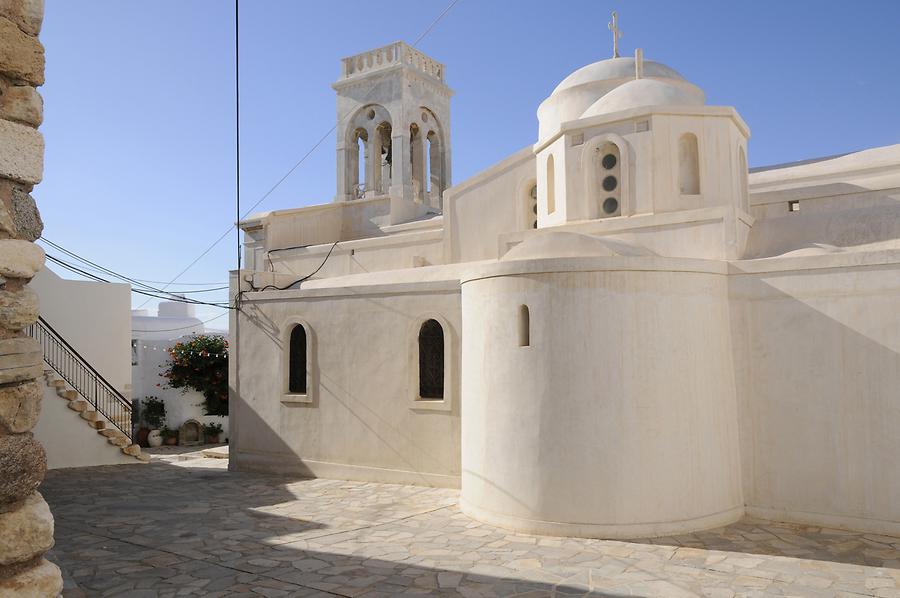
211	432
170	436
153	413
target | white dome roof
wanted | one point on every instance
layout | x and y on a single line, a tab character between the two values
580	90
646	92
614	68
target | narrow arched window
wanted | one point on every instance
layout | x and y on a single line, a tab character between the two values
530	207
524	326
416	159
609	180
358	163
297	366
383	169
431	360
688	165
435	168
551	186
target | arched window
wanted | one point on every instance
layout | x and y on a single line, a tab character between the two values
383	170
431	360
358	169
366	146
530	209
297	361
745	202
551	186
416	155
524	326
429	151
435	175
688	165
609	180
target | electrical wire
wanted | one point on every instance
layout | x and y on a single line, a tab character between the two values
87	274
299	280
293	168
183	327
115	274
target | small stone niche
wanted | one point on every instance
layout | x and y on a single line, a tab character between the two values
191	433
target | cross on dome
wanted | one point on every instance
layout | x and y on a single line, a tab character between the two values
617	33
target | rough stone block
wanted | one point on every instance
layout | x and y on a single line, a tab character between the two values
7	225
27	14
132	450
40	581
21	55
26	217
22	103
27	531
20	259
23	464
18	309
21	151
20	406
20	360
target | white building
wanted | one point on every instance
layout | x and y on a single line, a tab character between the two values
617	331
84	331
152	337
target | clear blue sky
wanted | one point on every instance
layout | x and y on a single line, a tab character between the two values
139	100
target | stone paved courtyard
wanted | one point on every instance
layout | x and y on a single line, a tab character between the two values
191	528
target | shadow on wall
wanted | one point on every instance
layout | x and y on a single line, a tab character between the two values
337	391
873	216
818	367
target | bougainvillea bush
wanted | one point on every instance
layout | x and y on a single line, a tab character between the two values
201	364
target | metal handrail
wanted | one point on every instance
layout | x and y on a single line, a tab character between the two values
81	375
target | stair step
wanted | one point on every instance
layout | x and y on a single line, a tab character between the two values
110	433
143	457
132	449
98	424
90	415
69	395
58	383
78	405
119	441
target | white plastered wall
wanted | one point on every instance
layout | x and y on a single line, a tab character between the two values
361	423
817	354
68	440
619	419
93	317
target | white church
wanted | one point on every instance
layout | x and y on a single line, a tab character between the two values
616	332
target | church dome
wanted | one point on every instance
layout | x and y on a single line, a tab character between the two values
613	69
646	92
577	92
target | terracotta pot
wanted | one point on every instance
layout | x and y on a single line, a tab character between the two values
171	440
154	438
212	439
142	434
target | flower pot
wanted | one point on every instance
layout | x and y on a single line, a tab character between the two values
171	440
142	434
212	439
154	438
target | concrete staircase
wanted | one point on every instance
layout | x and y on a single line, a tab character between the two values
94	419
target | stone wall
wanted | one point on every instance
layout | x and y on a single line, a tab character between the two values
26	524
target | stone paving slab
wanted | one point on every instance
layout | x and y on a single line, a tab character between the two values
191	528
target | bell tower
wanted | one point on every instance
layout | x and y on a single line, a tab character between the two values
393	130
